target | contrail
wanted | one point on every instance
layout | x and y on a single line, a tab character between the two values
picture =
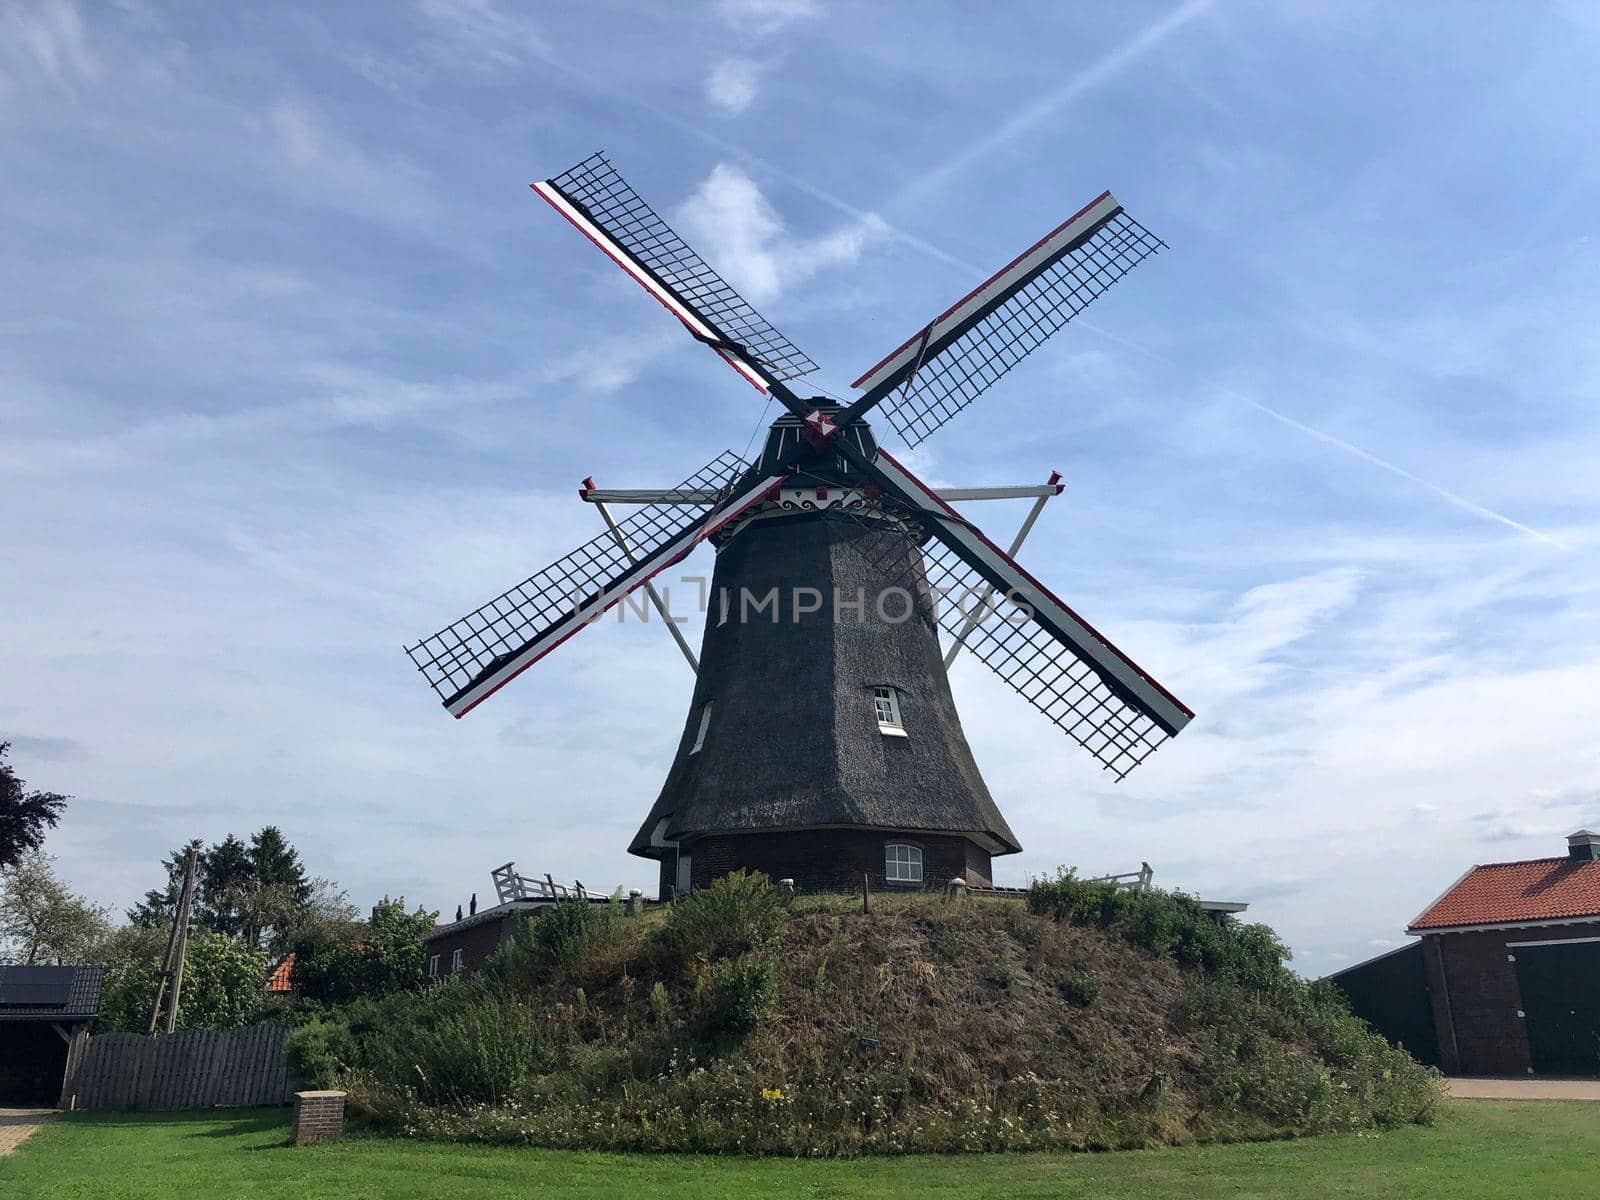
1015	127
1338	443
1090	77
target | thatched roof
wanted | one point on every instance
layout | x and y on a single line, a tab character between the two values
793	741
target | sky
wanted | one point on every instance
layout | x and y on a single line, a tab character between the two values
294	369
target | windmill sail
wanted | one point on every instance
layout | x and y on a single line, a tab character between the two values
1050	655
951	362
474	657
595	198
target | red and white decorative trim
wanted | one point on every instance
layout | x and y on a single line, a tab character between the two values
619	254
674	551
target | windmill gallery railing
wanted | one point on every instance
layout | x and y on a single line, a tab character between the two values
510	884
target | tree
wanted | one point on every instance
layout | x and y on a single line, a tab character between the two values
384	955
42	920
24	815
156	909
257	892
222	981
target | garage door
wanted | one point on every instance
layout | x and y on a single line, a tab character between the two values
1560	984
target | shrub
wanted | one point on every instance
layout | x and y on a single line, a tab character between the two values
320	1051
1171	924
558	939
1078	987
737	914
1002	974
740	993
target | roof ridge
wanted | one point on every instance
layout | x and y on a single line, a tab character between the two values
1526	862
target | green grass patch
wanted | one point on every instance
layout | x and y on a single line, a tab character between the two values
1477	1149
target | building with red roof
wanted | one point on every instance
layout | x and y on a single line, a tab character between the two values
1505	976
280	979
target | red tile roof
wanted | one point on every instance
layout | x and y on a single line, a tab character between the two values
1544	889
278	979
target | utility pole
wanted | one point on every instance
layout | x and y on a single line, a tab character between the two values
177	947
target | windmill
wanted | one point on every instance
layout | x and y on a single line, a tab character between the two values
822	742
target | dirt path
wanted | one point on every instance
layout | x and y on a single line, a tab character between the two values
17	1126
1464	1088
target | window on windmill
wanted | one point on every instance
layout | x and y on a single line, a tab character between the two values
433	966
886	705
455	959
700	734
902	863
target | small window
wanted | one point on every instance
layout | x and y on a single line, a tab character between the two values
902	863
886	705
455	955
700	734
433	966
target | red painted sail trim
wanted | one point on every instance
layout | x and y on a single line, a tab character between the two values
1091	215
930	499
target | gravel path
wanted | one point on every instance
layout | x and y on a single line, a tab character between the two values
17	1126
1523	1089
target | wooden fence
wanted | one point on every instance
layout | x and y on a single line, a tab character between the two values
196	1068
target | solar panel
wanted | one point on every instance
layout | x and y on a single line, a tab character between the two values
36	987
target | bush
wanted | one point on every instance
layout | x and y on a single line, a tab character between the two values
1078	987
558	939
320	1051
1002	974
737	914
741	993
1171	924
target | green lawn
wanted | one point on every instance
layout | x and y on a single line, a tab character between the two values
1479	1149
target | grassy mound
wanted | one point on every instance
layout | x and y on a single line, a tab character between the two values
1088	1018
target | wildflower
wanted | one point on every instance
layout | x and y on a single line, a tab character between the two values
772	1093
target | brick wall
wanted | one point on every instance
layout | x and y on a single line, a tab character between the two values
317	1115
1476	997
834	859
476	944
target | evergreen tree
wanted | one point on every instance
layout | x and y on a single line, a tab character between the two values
227	889
156	909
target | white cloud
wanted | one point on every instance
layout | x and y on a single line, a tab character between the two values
480	37
741	234
45	42
731	86
766	16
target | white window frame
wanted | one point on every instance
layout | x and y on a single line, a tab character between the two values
903	868
455	961
433	966
894	726
700	733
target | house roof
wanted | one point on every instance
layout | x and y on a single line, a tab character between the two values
50	993
1543	889
280	979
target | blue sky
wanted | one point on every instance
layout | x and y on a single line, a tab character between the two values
294	368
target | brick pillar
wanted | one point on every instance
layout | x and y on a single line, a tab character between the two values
317	1115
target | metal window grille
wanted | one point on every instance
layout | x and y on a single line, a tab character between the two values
902	864
612	204
459	654
1049	675
969	364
